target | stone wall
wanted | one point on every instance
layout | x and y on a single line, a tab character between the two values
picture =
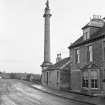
76	80
97	59
56	79
65	79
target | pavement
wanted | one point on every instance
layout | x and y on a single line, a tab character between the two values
75	96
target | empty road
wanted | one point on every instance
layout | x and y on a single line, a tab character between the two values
14	92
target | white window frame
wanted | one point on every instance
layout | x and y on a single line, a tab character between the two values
95	77
86	34
90	53
77	52
85	76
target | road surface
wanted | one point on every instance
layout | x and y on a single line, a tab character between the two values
14	92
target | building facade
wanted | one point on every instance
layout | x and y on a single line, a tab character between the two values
88	58
57	76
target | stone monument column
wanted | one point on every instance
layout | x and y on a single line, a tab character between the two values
47	16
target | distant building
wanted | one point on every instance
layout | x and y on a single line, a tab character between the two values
88	58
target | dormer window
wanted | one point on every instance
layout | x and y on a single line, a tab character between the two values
86	34
93	26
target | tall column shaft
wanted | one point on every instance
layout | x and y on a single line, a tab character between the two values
47	39
46	16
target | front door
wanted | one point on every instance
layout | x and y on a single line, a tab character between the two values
58	79
47	78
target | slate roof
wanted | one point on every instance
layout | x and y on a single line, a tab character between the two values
63	64
90	66
89	25
97	35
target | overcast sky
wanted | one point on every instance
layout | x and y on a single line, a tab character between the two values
22	30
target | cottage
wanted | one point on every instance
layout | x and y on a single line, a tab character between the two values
57	76
88	58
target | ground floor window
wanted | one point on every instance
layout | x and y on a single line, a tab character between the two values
85	80
94	79
90	79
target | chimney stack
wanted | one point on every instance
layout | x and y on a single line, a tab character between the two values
58	57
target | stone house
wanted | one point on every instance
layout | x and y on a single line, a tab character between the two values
57	76
88	58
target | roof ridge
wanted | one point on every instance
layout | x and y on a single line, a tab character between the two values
65	65
60	64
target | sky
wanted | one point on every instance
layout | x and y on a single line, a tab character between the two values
22	30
